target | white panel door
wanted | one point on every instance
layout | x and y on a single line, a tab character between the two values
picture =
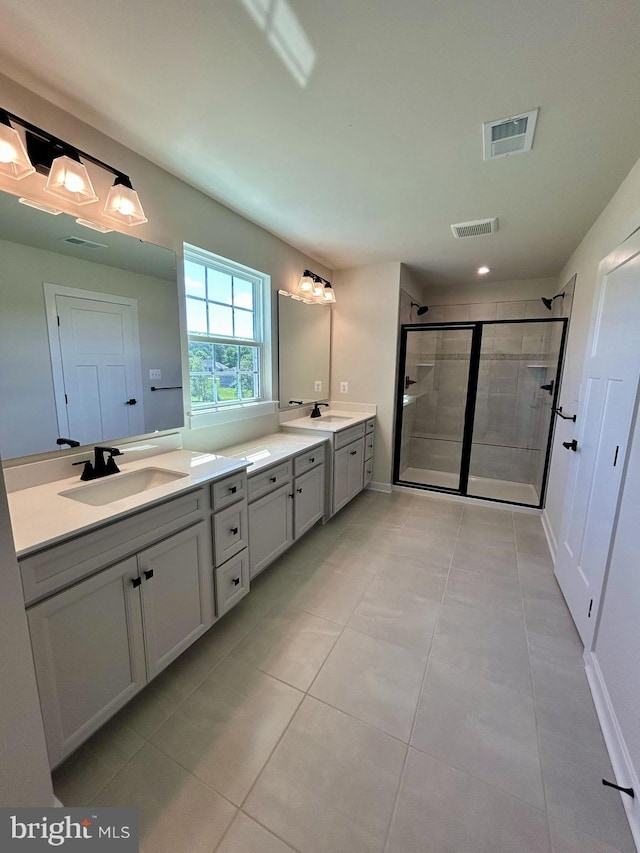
609	391
100	365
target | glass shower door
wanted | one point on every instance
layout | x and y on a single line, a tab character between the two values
432	406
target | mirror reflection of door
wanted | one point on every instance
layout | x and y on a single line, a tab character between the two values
95	356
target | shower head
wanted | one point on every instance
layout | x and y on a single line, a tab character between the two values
548	302
422	309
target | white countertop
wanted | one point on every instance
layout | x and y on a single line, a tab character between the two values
40	516
271	449
323	425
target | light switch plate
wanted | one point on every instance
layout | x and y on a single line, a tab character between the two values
344	387
155	374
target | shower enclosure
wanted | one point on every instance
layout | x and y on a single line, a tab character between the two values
475	404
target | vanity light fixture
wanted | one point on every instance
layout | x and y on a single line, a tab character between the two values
315	288
14	160
66	173
95	226
45	208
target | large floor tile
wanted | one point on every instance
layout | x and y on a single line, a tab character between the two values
226	730
330	785
432	550
375	681
567	839
411	578
289	644
397	617
426	522
176	810
550	626
247	836
483	591
90	768
442	810
492	646
431	507
487	730
532	544
573	776
332	595
490	559
481	533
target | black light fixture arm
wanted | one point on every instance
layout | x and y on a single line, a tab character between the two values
315	277
66	147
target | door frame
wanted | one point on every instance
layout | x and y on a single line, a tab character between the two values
51	316
477	327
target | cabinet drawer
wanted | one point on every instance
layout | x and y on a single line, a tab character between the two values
370	425
232	582
266	481
368	471
306	461
368	446
346	436
64	564
230	532
228	491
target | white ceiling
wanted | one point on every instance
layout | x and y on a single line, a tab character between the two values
369	152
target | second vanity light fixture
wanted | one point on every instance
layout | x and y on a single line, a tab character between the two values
314	288
67	176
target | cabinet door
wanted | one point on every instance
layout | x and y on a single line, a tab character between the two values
308	506
347	473
177	594
88	651
270	528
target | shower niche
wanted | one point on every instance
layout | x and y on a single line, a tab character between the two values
474	407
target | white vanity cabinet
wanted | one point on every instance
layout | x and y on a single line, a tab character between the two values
98	642
348	473
285	501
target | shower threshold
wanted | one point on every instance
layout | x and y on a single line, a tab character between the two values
478	487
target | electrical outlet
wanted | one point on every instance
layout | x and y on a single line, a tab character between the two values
317	385
344	387
155	374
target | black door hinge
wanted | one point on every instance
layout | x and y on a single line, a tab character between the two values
66	400
590	606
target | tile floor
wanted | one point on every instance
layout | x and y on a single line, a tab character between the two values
406	679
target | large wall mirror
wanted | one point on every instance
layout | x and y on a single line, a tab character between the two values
88	326
304	349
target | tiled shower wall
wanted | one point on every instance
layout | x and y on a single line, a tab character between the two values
512	413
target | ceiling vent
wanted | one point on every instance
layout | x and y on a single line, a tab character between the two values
86	244
506	136
478	228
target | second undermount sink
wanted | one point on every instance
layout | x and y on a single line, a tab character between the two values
331	419
118	486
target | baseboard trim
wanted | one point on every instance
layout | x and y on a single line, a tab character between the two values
380	487
623	769
552	542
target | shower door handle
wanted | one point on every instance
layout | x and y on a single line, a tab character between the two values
571	445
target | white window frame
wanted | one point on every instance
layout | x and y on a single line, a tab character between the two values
210	414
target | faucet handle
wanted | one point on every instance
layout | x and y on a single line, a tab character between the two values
88	472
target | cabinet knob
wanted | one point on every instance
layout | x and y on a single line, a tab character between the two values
135	583
299	491
353	453
233	489
234	530
273	479
313	459
291	495
148	574
235	581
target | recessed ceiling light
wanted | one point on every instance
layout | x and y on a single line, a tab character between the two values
483	270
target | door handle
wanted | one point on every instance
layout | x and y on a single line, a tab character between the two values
131	402
570	445
549	387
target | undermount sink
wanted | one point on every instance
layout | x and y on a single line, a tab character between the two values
331	419
118	486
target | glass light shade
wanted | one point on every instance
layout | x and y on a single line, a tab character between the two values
14	160
123	205
305	285
318	289
69	179
328	295
95	226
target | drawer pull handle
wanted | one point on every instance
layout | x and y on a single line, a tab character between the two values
233	489
135	583
148	574
353	453
234	530
235	581
313	459
272	479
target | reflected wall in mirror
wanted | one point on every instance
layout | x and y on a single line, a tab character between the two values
304	347
78	377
